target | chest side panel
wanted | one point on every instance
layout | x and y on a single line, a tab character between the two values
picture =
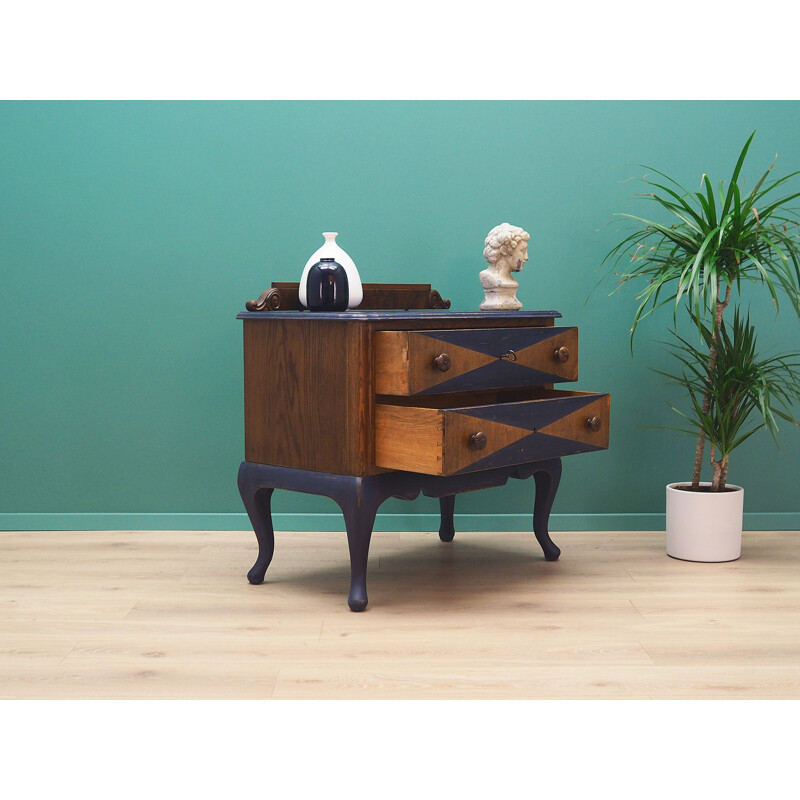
304	395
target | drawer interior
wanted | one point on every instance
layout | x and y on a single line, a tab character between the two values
454	400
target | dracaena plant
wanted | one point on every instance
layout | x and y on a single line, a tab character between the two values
715	242
745	393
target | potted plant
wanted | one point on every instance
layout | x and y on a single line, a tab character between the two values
712	245
742	394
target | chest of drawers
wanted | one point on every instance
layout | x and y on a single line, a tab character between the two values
364	405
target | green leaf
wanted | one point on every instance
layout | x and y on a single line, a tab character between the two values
672	234
741	385
711	204
681	200
735	175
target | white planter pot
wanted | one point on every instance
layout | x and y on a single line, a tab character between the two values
332	250
704	526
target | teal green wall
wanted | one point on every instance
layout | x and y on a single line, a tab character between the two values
132	233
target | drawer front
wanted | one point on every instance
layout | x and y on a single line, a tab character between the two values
446	441
427	362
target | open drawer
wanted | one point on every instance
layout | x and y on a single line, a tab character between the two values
424	362
436	437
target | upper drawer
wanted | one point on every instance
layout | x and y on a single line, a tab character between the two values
427	362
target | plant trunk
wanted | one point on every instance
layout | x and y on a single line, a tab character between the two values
701	444
720	474
712	363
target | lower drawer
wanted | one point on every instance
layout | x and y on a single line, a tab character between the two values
438	439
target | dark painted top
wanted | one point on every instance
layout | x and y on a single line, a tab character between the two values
431	314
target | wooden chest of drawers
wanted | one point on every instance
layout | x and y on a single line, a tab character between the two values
358	393
462	398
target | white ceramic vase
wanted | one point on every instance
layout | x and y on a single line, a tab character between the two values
332	250
704	526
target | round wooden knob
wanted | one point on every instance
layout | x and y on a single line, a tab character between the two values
562	354
477	441
593	424
442	362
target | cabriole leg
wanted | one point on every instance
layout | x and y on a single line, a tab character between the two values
547	481
359	508
262	525
446	528
257	503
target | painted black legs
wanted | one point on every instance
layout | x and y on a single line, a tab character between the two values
256	501
446	528
359	509
546	487
547	478
360	497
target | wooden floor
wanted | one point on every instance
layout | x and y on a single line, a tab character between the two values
170	615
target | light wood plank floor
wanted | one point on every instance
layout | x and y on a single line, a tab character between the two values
152	614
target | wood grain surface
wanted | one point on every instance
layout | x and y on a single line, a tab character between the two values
308	396
573	426
164	614
436	440
309	383
410	439
404	359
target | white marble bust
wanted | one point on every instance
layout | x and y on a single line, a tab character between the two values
506	250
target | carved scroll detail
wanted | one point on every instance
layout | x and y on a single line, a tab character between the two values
435	300
269	300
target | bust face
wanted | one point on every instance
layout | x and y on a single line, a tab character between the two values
519	257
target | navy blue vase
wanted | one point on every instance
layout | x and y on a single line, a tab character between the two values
326	286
